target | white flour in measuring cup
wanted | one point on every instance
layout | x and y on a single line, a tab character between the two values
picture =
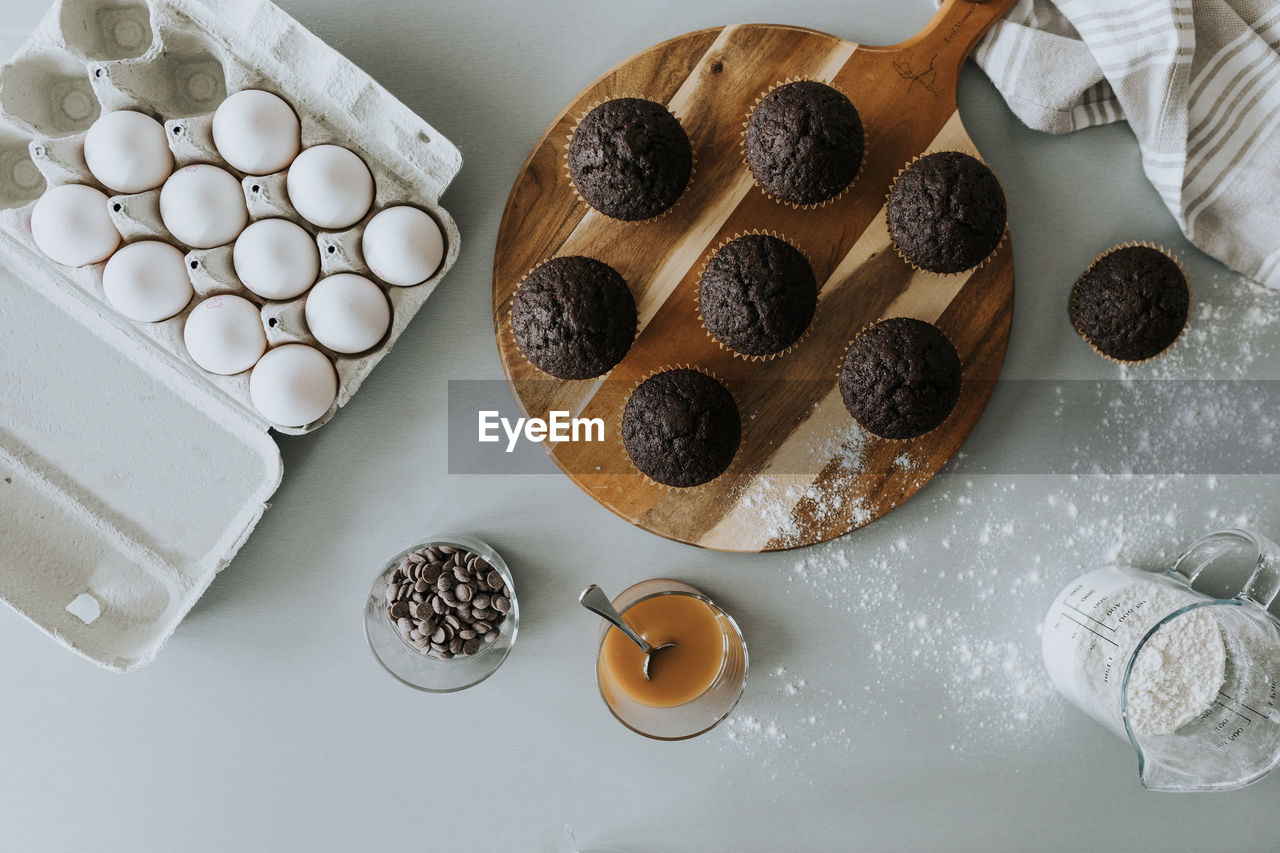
1179	670
1093	630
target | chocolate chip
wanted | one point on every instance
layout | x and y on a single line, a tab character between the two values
446	601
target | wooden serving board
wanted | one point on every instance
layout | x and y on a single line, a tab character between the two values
805	471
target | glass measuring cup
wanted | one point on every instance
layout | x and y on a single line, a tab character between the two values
1099	626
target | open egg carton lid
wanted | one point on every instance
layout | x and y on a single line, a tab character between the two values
128	476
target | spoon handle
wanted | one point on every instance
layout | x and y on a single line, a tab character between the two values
594	599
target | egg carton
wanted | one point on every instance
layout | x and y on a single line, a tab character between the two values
158	465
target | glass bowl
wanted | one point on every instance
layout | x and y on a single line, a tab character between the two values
697	716
422	671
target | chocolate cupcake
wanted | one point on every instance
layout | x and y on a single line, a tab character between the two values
757	295
681	428
630	159
900	378
946	212
804	142
573	317
1131	304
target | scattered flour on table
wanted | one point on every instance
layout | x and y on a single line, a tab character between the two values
963	648
990	677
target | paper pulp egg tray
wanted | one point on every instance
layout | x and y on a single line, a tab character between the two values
128	476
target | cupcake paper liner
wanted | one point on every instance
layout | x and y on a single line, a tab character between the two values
840	370
742	146
1071	303
697	299
622	444
1004	236
693	165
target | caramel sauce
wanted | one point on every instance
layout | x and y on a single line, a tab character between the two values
679	674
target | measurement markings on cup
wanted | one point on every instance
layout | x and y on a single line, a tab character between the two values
1110	628
1243	705
1092	631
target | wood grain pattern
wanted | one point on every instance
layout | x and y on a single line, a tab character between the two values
805	472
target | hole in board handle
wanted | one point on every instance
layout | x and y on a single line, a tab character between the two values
273	322
85	608
117	207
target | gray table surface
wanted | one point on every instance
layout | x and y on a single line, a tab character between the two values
895	700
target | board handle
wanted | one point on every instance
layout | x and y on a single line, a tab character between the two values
941	48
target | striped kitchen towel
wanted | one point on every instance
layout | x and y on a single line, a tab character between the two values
1199	83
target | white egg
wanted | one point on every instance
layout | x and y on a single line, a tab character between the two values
403	246
276	259
330	187
293	385
224	334
347	313
72	225
147	281
257	132
203	206
128	152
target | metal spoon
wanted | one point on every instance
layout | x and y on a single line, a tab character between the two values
594	599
